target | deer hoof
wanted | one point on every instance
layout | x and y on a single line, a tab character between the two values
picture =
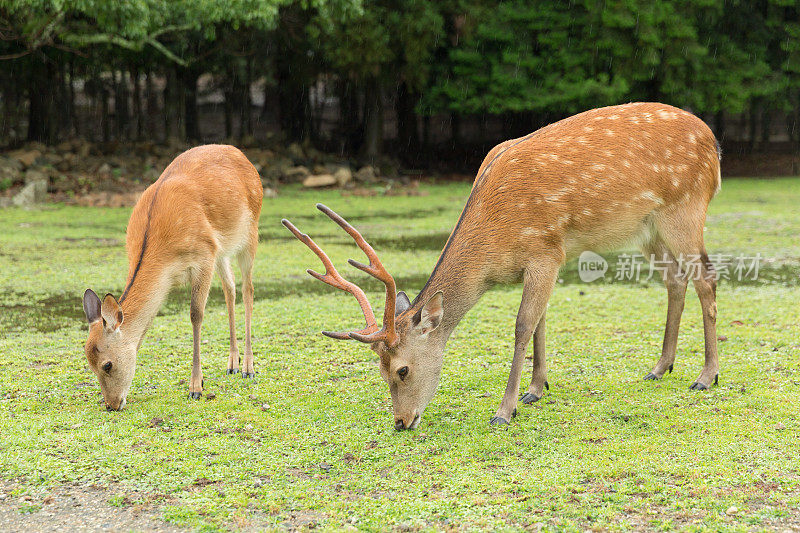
232	371
195	395
697	386
498	421
529	398
248	374
651	377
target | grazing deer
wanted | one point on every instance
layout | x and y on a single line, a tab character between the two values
639	173
201	211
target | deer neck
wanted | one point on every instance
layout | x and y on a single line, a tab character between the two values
144	295
460	275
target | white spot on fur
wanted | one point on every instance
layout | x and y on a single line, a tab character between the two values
626	163
651	196
675	182
588	129
531	232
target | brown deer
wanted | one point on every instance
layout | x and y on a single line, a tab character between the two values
202	210
639	173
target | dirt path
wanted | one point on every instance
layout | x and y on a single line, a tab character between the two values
79	508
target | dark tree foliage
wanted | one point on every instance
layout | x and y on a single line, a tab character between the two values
526	61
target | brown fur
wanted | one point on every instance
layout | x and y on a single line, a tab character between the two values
203	209
640	173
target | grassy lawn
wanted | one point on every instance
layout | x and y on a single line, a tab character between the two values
310	441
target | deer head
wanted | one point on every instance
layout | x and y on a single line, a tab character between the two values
112	356
409	348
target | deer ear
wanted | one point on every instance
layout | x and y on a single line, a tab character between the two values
112	312
91	306
401	303
431	313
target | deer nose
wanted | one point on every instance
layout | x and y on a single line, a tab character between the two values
399	424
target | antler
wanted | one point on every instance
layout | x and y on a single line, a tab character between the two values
375	268
334	279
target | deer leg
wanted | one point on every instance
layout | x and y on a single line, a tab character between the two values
229	288
676	284
537	286
706	286
246	259
201	283
539	377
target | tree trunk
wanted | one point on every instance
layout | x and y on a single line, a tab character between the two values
104	112
766	126
455	128
73	118
407	128
121	106
349	116
719	126
752	127
373	121
293	71
137	103
42	123
171	105
151	104
64	101
188	78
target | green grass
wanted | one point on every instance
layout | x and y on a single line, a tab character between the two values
311	438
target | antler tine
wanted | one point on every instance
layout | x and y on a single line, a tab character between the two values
375	268
334	279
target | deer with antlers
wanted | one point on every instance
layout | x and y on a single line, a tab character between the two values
639	173
202	210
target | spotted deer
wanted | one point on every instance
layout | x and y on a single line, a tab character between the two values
202	210
639	173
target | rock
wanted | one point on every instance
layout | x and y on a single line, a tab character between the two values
323	180
83	148
343	176
274	168
366	174
35	190
10	169
295	173
26	157
295	151
732	510
105	168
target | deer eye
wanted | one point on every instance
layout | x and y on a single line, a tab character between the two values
403	372
107	366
